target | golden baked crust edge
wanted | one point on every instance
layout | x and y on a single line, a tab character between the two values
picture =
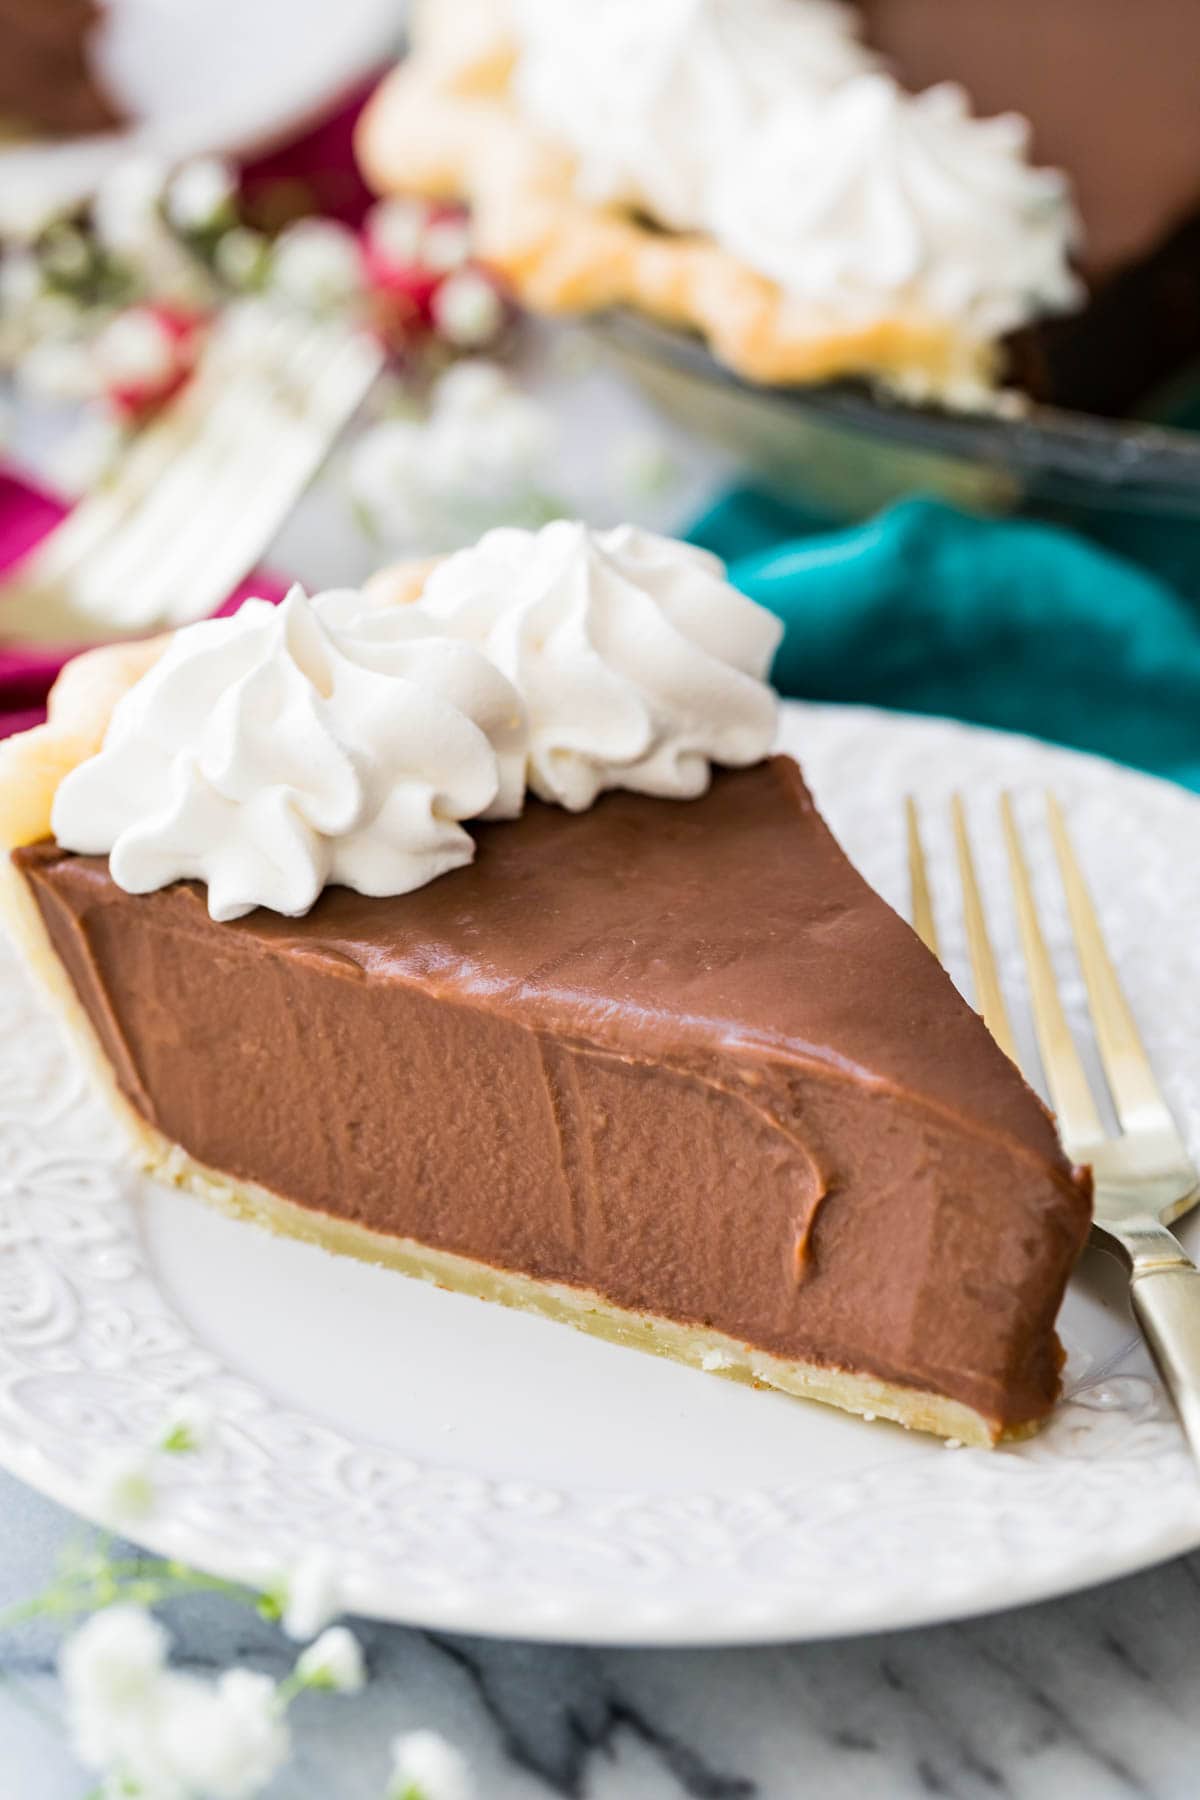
447	128
696	1346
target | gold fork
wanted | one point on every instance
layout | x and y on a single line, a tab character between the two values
1143	1175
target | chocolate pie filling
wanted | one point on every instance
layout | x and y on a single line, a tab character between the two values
676	1052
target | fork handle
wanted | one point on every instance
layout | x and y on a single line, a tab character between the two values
1165	1291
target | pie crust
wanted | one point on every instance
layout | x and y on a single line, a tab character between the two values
445	125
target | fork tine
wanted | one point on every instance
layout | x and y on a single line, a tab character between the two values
244	454
923	921
44	600
1136	1094
222	498
333	389
1078	1120
202	490
139	471
988	991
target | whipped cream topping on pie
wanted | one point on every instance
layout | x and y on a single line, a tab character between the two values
657	98
340	742
868	199
767	125
638	663
669	1072
745	168
279	750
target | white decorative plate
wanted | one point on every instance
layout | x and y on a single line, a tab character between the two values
198	77
474	1469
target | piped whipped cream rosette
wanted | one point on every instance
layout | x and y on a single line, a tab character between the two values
276	751
870	200
638	663
655	99
339	741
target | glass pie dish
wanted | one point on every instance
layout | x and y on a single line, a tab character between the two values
841	451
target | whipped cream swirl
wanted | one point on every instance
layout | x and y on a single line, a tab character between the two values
656	96
284	748
870	199
768	125
639	665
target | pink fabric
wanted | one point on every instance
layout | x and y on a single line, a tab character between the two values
27	671
321	163
320	166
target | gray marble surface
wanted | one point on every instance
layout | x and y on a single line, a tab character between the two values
1095	1696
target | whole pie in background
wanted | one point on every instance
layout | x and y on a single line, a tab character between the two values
922	194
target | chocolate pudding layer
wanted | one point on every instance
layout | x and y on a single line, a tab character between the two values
47	81
678	1053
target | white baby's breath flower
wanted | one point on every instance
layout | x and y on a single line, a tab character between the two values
114	1659
396	229
479	409
57	369
426	1767
112	1670
467	310
241	256
81	459
472	387
491	457
445	245
478	456
224	1740
160	1735
126	209
334	1661
198	193
129	221
385	477
30	208
65	253
122	1486
135	348
312	1595
518	435
54	315
187	1426
21	280
316	263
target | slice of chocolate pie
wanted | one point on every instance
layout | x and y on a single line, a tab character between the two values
653	1060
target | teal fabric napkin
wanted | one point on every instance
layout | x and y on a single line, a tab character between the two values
1002	621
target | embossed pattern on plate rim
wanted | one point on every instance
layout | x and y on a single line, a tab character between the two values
91	1351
